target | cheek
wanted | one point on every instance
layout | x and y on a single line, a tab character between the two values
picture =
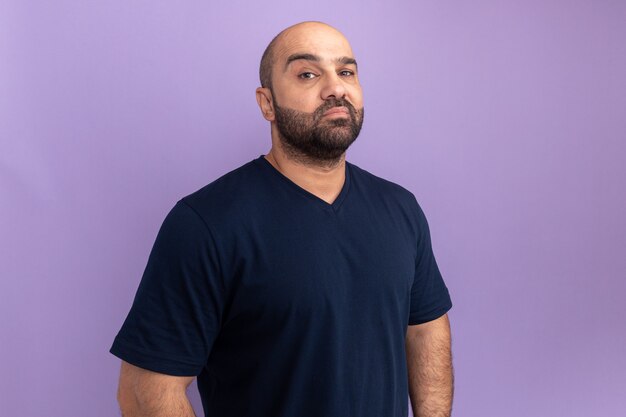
356	96
303	102
307	101
293	97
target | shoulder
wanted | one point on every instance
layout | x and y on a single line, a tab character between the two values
227	194
230	184
389	197
383	188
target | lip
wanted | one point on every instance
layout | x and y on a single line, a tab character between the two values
337	110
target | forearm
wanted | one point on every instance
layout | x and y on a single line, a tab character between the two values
429	362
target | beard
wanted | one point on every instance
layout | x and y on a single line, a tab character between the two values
312	139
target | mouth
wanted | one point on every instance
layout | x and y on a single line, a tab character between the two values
337	112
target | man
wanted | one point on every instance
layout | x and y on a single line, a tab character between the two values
297	284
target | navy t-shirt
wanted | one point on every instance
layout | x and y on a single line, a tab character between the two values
284	305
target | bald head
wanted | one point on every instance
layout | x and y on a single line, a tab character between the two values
289	37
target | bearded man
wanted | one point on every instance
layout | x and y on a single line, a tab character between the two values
298	284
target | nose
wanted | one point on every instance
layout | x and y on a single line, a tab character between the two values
333	87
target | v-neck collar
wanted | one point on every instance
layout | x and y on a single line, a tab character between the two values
334	206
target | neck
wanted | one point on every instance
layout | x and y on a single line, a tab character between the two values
322	180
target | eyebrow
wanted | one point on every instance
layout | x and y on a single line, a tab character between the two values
344	60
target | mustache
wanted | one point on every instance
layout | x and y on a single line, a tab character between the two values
331	103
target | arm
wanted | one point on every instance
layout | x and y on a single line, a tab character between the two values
144	393
429	362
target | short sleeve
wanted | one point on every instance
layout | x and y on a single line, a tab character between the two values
430	298
176	314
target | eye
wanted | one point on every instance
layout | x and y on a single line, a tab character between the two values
346	73
306	75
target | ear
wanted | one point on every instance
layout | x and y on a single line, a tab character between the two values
264	99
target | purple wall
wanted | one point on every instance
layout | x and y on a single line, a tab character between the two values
506	119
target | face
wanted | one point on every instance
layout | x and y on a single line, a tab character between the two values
316	95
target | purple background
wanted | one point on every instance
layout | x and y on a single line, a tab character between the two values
506	119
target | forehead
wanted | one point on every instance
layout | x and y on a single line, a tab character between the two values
327	43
